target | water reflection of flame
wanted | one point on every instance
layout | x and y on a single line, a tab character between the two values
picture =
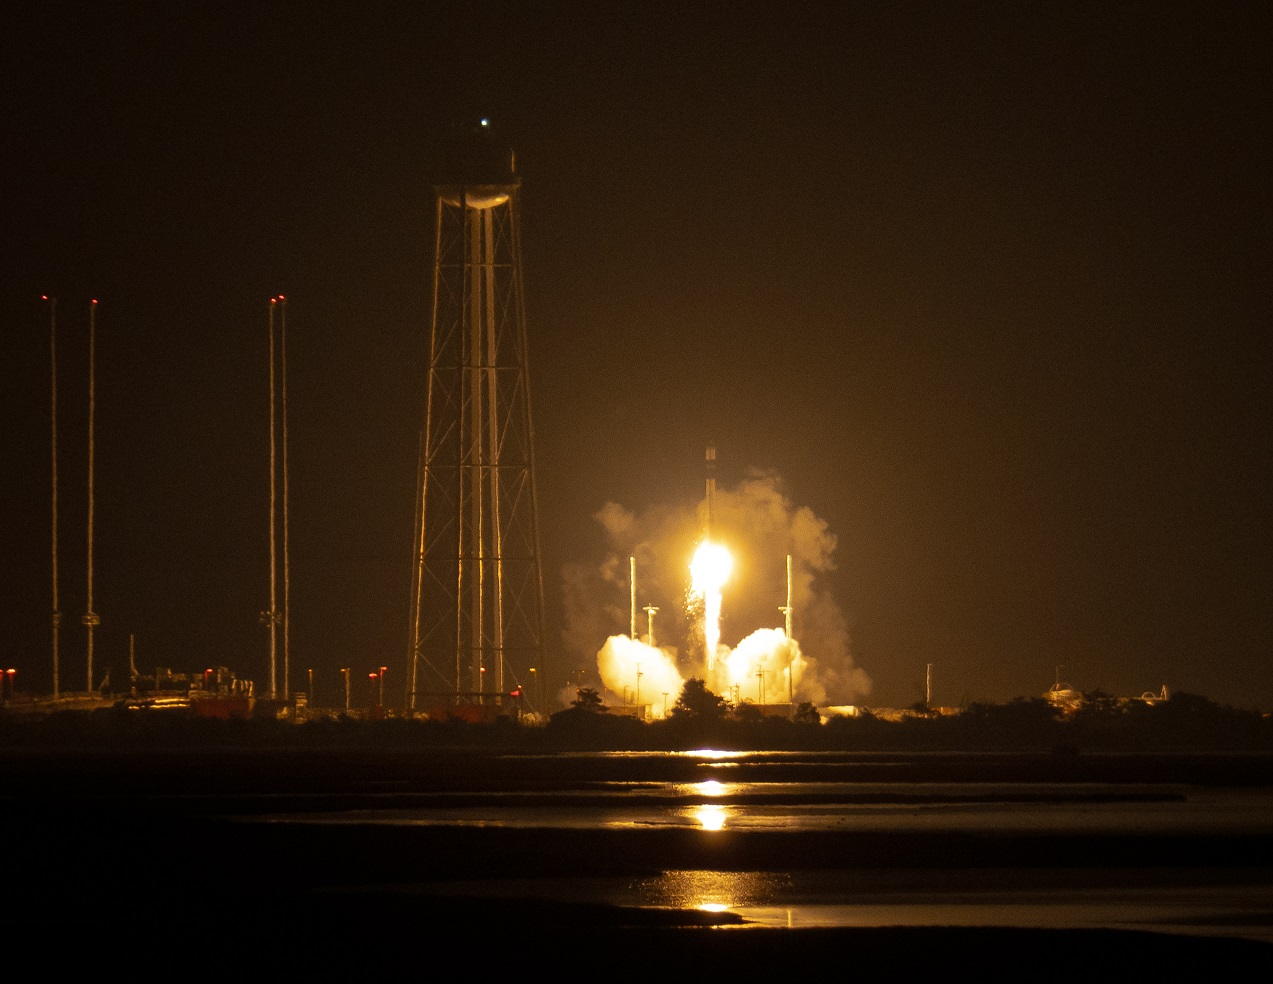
713	754
713	891
711	816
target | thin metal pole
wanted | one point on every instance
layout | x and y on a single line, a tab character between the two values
632	588
786	611
272	614
287	579
90	617
57	615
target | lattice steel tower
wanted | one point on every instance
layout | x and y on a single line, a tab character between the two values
477	581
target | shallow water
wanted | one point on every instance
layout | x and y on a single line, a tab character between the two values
1149	867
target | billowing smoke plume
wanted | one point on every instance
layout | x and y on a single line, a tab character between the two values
759	526
639	673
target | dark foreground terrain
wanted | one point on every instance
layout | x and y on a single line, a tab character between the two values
202	861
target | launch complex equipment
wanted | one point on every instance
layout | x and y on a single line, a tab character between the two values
477	596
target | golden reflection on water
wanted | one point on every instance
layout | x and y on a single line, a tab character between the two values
710	816
713	891
708	787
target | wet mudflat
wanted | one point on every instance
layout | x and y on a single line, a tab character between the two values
746	860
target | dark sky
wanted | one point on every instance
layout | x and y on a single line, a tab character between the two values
987	285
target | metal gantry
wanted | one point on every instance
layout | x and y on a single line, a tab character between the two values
476	622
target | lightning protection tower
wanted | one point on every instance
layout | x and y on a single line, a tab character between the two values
477	582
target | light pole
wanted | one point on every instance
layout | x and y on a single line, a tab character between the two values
638	686
344	671
382	685
534	690
10	674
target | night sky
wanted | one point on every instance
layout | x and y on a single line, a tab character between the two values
985	286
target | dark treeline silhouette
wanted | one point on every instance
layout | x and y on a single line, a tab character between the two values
699	719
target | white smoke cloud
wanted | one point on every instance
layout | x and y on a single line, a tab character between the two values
643	672
757	668
760	526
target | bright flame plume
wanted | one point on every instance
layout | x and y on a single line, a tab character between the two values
709	570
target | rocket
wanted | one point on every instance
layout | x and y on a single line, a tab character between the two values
711	487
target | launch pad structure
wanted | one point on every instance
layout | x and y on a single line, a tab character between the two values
477	597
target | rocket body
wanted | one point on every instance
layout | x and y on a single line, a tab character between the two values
711	486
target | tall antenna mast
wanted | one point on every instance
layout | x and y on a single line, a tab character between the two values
271	616
287	579
632	592
786	611
57	615
90	617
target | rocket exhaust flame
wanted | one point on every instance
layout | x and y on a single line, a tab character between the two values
787	547
709	571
